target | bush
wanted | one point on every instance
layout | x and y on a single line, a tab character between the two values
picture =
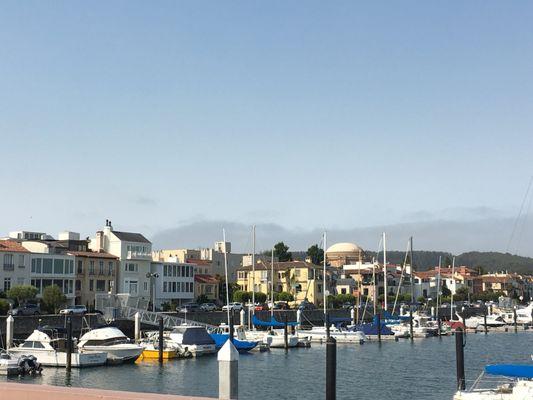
22	293
283	296
4	307
53	298
202	299
260	297
241	296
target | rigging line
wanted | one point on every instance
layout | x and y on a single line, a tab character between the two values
519	214
524	222
401	278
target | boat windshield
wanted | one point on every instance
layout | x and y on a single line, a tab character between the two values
107	342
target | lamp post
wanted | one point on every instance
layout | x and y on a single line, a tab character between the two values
153	276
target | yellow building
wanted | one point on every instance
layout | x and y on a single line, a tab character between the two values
302	279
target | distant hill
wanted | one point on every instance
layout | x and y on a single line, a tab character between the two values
490	261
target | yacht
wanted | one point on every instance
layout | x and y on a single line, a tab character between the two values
193	339
49	346
109	339
476	321
319	334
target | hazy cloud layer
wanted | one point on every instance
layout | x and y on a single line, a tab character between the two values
488	234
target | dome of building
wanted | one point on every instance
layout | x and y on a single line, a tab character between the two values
344	248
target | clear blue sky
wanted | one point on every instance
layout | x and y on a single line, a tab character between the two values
304	114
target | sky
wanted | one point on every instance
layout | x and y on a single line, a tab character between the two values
178	118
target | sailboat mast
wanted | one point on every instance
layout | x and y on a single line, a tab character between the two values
438	286
226	272
412	270
272	285
374	283
253	269
325	281
452	289
385	269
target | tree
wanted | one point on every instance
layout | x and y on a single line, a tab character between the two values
201	299
445	292
461	294
241	296
282	252
260	297
22	293
4	307
283	296
53	298
316	254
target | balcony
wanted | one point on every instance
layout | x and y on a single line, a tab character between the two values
137	255
9	267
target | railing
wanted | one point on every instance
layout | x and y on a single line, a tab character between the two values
152	318
137	255
9	267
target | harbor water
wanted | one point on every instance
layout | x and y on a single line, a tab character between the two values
422	369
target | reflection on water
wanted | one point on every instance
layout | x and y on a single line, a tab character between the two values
422	369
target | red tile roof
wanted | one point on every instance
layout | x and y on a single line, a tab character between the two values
198	262
200	278
12	246
93	254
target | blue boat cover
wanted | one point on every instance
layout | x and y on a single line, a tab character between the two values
240	345
511	370
273	322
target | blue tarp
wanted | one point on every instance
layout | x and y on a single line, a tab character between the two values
511	370
240	345
273	322
387	315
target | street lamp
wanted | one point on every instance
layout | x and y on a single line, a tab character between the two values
154	275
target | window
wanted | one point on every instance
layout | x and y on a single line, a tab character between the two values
174	289
20	281
47	265
78	284
69	266
130	286
111	269
101	268
164	287
183	270
58	266
145	286
8	262
36	265
131	267
91	267
100	285
91	285
21	261
7	284
80	266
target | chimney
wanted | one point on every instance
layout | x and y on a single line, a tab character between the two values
99	241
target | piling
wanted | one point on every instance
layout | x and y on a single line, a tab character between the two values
439	327
352	315
411	333
433	312
464	320
378	320
514	320
69	344
242	317
299	318
161	339
331	368
460	358
137	327
286	334
228	372
10	322
231	327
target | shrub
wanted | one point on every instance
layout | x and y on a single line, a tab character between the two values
4	307
53	298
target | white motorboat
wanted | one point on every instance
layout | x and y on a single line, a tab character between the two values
275	338
112	340
319	334
51	350
18	365
193	339
476	321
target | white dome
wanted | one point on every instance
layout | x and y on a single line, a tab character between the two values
344	248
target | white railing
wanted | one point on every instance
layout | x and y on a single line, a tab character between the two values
152	318
138	255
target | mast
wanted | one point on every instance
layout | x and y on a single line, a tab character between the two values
324	279
453	289
438	286
412	271
253	269
272	285
385	269
226	273
374	283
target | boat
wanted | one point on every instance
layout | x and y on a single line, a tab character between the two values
518	384
493	321
221	334
13	366
112	340
193	339
49	346
319	334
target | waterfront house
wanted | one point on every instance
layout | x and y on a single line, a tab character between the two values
173	281
15	264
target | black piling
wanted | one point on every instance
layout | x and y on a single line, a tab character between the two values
161	339
485	322
411	331
231	326
464	320
69	343
460	358
439	326
514	321
286	333
331	368
378	320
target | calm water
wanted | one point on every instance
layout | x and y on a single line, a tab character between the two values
420	370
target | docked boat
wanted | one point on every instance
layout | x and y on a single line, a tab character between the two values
518	384
49	346
221	334
475	322
319	334
112	340
193	339
13	365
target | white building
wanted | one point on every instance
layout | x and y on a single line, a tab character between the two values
15	265
135	256
174	282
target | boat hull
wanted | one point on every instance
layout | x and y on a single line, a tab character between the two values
51	358
117	354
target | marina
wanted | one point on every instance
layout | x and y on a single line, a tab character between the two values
422	368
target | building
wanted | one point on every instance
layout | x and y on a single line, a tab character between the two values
134	253
303	280
15	261
208	286
343	254
172	282
95	273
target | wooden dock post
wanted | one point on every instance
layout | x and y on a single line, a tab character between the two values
69	344
161	339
